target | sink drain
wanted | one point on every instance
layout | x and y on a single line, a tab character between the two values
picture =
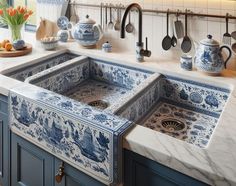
100	104
173	125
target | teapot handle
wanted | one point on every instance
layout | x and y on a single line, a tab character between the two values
230	53
99	28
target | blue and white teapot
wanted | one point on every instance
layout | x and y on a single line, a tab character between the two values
87	33
209	58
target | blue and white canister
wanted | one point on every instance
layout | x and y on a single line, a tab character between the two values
186	62
106	47
63	35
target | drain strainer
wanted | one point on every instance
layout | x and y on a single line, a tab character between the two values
100	104
173	125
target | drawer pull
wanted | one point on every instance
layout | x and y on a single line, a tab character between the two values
60	173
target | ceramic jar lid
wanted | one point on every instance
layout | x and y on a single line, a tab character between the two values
87	20
209	41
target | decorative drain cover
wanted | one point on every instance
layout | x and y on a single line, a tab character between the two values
173	125
100	104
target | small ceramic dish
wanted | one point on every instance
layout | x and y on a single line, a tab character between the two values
63	22
49	45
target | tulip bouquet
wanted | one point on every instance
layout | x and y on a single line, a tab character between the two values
14	18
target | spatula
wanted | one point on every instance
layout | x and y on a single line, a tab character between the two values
179	29
227	36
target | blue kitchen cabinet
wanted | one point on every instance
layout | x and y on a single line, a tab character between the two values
4	142
73	177
32	166
140	171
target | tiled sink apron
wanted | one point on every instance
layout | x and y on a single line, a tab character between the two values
86	138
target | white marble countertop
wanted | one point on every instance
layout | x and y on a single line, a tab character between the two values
215	165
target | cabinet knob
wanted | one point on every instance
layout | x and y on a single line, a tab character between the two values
60	173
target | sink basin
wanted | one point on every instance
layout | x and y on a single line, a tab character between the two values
69	110
104	85
186	110
39	65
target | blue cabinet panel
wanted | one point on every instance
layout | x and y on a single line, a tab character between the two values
140	171
74	177
31	166
4	142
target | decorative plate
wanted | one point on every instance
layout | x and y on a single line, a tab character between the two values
62	22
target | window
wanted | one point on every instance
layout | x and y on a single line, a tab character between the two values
31	23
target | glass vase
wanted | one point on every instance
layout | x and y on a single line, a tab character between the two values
15	31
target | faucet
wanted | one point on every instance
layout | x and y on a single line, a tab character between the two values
140	52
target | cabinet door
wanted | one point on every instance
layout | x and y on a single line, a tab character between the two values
140	171
31	166
74	177
4	142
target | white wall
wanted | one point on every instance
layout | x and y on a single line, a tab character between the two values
154	26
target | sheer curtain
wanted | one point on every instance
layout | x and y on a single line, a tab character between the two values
50	9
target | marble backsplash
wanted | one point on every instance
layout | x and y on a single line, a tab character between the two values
154	26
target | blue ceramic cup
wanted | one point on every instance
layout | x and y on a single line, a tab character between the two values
186	62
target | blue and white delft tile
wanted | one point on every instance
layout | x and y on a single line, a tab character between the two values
89	81
203	97
142	104
86	138
198	127
25	72
116	74
63	77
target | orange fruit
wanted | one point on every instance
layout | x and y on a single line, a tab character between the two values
4	42
8	46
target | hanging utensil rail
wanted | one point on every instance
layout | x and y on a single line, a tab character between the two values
189	13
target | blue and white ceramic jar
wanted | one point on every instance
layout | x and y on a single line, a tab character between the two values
186	62
106	47
208	57
87	33
63	35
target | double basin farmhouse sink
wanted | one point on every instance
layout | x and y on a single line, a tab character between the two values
184	109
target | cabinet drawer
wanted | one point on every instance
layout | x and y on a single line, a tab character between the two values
3	107
3	98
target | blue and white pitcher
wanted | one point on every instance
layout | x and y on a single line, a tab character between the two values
87	33
208	57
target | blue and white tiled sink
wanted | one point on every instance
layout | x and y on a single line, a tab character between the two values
100	84
40	65
71	110
187	110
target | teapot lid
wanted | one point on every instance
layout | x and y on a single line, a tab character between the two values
209	41
106	45
87	20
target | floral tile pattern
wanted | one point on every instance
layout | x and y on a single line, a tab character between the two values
117	74
85	137
139	107
92	90
89	80
25	72
197	128
201	96
63	79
